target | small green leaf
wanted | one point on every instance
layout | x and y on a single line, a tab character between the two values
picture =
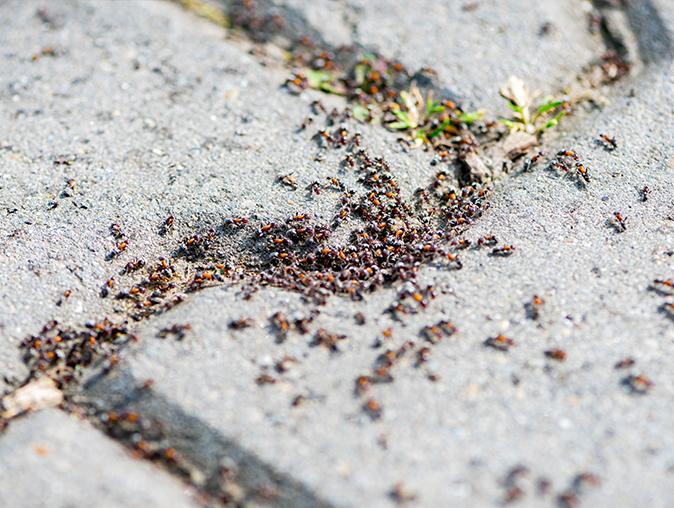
316	78
328	87
544	108
509	123
420	134
322	80
398	125
515	107
433	107
470	116
438	130
403	117
360	113
553	121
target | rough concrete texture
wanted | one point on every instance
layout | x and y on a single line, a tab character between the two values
152	113
452	441
50	459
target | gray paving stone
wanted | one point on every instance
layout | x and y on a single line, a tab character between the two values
50	459
454	440
150	113
159	115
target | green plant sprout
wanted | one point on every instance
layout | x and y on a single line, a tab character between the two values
428	119
526	116
324	81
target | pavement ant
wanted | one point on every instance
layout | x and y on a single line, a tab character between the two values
638	384
668	309
533	161
107	286
513	490
167	225
241	323
179	331
503	251
500	342
607	142
625	363
327	340
66	294
298	400
568	153
288	180
556	354
373	409
317	107
400	495
462	243
305	123
435	333
645	193
664	287
423	354
315	188
280	323
283	365
487	241
581	172
533	308
618	222
454	262
362	385
265	379
133	265
116	230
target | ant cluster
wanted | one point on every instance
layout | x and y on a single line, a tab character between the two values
61	353
391	238
569	163
514	485
385	362
384	92
121	242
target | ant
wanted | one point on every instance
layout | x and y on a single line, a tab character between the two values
645	193
638	384
533	308
487	240
618	222
625	363
664	287
607	142
177	330
500	342
556	354
533	161
503	251
240	324
373	409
